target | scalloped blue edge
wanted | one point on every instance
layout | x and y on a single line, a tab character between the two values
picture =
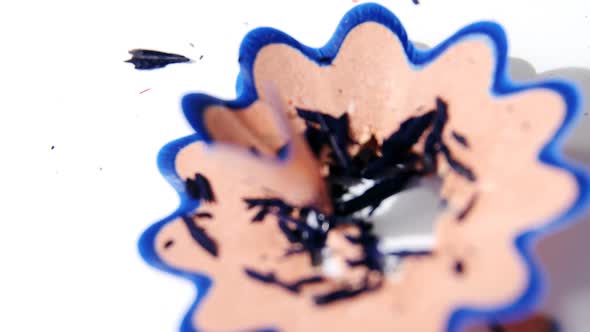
195	104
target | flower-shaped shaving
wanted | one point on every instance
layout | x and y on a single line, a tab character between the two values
266	233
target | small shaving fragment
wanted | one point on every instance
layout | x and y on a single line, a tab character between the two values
149	59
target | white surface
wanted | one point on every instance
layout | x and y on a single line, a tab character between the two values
69	230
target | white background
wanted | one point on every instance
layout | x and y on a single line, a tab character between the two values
70	217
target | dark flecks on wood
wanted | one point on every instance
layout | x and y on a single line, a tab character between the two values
293	225
267	206
200	188
392	165
312	239
435	145
150	59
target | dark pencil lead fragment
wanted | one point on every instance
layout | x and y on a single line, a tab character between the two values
203	215
375	195
270	278
434	145
397	147
266	278
260	215
315	139
408	253
460	139
274	205
294	251
295	230
467	209
292	235
200	188
441	116
346	292
459	267
457	166
168	244
312	239
325	130
306	281
149	59
200	236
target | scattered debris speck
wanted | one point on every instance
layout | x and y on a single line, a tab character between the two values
146	90
525	126
52	147
201	57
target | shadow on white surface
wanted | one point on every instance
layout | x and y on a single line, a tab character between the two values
563	254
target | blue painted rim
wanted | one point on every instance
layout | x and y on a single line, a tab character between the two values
195	104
